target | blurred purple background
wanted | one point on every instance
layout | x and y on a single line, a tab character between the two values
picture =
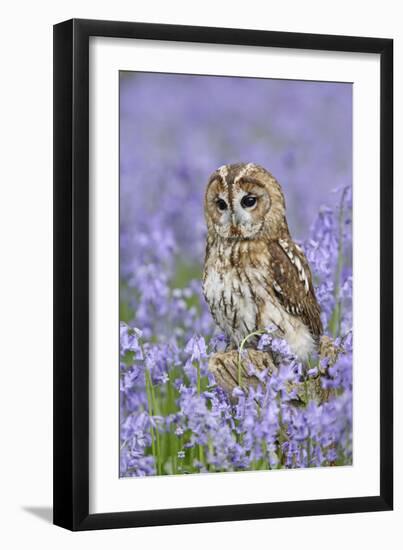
177	129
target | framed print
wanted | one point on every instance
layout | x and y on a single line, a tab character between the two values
223	318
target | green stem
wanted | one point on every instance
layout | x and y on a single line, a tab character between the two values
180	447
336	317
172	436
201	453
308	451
150	414
256	333
154	409
211	451
199	447
150	411
281	438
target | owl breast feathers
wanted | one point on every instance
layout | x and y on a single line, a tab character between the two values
254	274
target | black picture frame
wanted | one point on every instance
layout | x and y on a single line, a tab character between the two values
71	274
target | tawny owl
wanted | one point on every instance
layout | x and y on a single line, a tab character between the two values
254	274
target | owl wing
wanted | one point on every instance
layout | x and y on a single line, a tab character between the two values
292	283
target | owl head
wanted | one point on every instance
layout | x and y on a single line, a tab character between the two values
244	201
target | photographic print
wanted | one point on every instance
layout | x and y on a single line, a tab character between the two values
214	249
236	274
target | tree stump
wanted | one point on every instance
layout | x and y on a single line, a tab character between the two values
225	367
229	371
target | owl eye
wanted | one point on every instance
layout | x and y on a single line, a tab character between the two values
221	204
248	201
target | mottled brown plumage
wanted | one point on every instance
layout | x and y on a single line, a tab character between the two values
254	274
294	291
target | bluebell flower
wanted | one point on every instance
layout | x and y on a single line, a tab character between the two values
162	240
130	340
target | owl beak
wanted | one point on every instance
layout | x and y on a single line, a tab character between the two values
235	230
235	219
